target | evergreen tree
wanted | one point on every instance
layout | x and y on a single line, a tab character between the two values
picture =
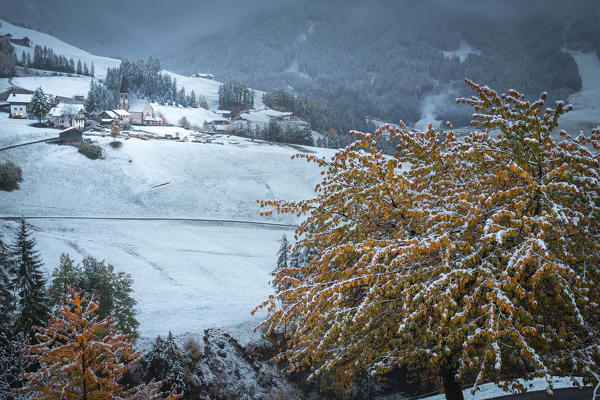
28	281
86	71
7	298
39	104
164	362
113	289
79	68
92	73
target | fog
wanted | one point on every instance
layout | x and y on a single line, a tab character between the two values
139	28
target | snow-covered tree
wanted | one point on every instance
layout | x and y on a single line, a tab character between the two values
79	70
283	254
113	289
82	357
164	362
12	364
28	282
460	258
39	104
7	298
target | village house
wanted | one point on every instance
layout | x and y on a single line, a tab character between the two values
21	42
123	116
107	117
66	115
19	105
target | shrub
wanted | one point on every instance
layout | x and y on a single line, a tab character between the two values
91	151
10	176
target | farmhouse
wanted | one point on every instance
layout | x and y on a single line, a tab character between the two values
204	76
19	105
66	115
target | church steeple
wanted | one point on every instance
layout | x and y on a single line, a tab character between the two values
124	95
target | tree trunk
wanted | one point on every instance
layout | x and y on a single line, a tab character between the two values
452	387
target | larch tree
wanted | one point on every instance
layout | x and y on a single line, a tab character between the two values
115	131
472	259
81	357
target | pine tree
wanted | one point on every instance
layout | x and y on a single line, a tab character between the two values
79	68
164	362
92	72
39	104
82	357
283	255
86	71
7	298
459	258
28	282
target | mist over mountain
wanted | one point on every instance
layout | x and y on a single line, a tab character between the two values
390	60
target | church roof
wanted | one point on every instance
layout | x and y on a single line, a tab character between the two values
124	88
137	105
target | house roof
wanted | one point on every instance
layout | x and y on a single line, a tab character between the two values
137	105
19	98
121	113
65	109
109	113
69	130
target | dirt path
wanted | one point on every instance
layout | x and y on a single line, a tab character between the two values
201	220
27	143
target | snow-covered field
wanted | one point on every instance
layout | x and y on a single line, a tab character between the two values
586	103
66	86
193	115
209	89
4	85
59	47
188	275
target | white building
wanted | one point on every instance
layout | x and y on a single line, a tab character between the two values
19	105
66	115
123	116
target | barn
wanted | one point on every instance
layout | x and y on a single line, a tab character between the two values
71	136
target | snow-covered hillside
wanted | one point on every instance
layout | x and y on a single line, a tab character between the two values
66	86
188	275
60	47
586	103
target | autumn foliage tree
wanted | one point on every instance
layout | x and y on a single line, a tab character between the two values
472	259
81	357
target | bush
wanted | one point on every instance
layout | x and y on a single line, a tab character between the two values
10	176
91	151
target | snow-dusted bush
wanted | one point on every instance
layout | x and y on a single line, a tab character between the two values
91	151
10	176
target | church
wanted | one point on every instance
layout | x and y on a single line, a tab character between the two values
132	111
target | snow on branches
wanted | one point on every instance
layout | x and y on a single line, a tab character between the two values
475	259
82	357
